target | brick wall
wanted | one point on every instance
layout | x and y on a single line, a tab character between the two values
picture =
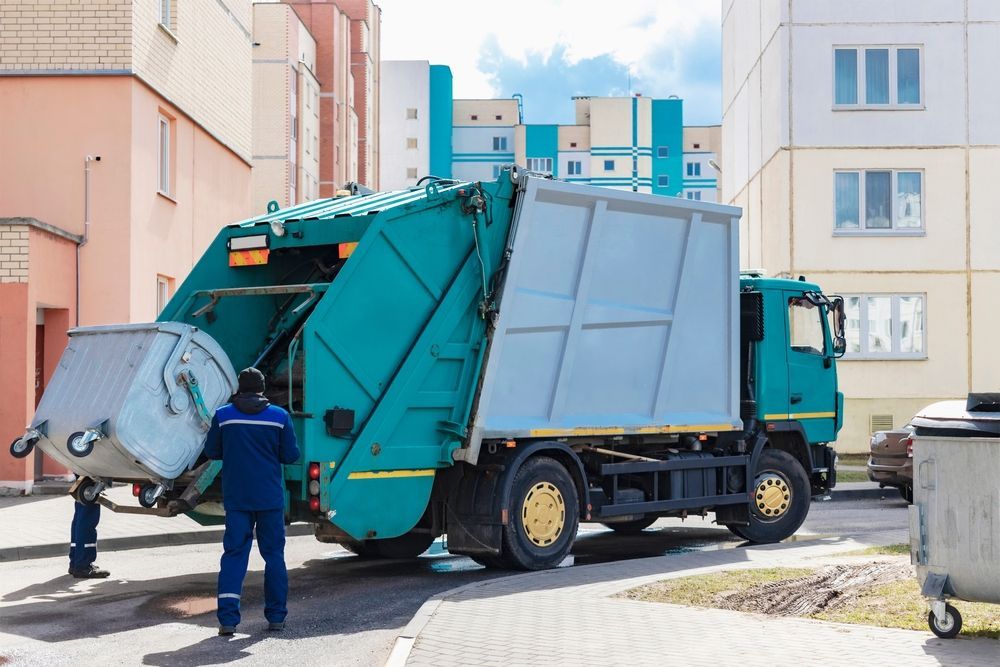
65	34
14	254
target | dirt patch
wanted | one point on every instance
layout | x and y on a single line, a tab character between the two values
829	588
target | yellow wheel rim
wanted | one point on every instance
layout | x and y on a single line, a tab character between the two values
543	514
772	497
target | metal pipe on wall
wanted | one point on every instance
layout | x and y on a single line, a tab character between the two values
86	225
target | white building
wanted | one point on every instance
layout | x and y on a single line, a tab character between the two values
861	140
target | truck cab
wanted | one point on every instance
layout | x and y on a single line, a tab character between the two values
792	336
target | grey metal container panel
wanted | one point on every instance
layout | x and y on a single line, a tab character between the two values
956	496
116	373
618	312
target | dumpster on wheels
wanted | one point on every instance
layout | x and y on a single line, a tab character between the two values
498	361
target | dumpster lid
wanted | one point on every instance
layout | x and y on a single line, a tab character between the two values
955	419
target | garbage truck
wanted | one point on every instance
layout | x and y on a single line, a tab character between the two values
494	361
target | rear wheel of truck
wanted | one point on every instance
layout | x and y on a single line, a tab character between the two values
408	545
779	498
633	527
544	513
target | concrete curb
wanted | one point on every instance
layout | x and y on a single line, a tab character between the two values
133	542
863	491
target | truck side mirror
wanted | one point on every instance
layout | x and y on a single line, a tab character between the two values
839	319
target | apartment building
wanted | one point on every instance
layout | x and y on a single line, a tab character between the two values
415	131
126	137
347	34
286	109
861	141
702	152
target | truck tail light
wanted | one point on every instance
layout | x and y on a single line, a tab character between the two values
313	486
314	503
909	447
313	470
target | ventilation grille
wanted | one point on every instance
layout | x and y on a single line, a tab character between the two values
881	423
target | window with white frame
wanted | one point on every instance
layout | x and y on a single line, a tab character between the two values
574	168
411	113
500	143
663	181
164	290
694	168
878	200
663	151
163	158
497	168
693	194
885	326
609	165
542	165
877	76
166	14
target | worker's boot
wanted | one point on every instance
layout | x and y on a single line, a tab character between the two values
226	630
89	572
276	627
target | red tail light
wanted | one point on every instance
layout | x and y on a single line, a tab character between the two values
313	470
909	447
136	489
314	503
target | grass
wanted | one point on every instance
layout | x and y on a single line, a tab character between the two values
885	550
893	605
852	476
852	459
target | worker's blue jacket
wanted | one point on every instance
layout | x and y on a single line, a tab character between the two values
252	438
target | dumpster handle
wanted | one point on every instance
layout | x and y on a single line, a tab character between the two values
177	403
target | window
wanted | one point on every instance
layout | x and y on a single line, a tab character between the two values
295	128
878	200
497	168
541	165
164	290
609	165
411	114
697	145
411	172
805	329
166	14
694	168
885	326
663	181
878	76
308	96
308	141
574	168
662	151
411	142
164	162
693	194
500	143
572	144
498	117
474	117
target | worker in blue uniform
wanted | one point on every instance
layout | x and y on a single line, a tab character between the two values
83	542
253	439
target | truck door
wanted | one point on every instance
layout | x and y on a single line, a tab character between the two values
812	391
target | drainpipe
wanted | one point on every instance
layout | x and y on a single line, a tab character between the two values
86	225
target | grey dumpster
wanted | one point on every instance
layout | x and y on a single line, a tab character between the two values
955	517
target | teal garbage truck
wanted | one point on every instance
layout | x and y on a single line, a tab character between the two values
497	362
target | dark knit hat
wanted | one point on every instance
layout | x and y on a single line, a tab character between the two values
251	381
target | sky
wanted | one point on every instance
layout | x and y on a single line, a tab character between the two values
551	50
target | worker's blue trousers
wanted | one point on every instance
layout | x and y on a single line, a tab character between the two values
83	535
270	528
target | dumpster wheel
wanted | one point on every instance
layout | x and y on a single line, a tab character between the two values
20	448
948	626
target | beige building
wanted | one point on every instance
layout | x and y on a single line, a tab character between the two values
702	154
863	147
286	105
125	131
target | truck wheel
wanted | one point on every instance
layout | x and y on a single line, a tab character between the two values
736	530
20	448
633	527
408	545
906	491
949	626
543	515
779	498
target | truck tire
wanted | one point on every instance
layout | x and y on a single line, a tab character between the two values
906	492
543	515
408	545
633	527
779	498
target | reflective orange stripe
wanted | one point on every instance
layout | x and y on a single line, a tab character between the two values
248	257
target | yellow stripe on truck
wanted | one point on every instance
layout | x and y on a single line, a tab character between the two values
618	430
392	474
800	415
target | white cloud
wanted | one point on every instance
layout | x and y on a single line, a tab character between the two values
452	33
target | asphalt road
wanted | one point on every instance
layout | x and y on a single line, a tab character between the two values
158	606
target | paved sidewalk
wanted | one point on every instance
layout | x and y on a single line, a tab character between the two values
569	616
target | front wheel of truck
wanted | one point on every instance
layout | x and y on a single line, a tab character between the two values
408	545
779	498
544	513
